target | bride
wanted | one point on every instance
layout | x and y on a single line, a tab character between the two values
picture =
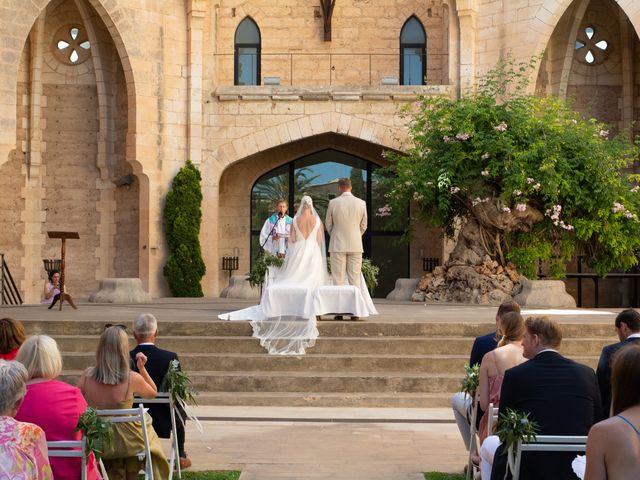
285	319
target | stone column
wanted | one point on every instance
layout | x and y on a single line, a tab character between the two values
196	14
626	41
33	214
467	16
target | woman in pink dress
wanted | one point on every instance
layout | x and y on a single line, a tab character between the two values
23	446
12	335
494	364
53	405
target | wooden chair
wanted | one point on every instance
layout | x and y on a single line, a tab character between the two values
70	449
126	415
545	443
174	457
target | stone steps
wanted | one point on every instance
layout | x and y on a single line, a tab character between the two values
353	364
193	362
380	345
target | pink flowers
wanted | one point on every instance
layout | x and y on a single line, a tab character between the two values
554	214
506	209
521	207
484	173
463	136
384	211
618	207
454	190
501	127
603	133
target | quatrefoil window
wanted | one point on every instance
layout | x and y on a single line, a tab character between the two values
71	44
590	47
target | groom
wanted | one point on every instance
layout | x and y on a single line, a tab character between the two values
346	222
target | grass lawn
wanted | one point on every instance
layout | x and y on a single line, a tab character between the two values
209	475
443	476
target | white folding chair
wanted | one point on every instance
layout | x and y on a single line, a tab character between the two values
174	457
546	443
126	415
70	449
474	448
492	418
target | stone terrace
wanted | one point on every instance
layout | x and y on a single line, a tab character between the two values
411	355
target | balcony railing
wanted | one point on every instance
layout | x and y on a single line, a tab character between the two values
332	69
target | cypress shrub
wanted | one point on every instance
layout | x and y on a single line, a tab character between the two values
182	217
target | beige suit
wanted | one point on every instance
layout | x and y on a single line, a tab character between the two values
346	222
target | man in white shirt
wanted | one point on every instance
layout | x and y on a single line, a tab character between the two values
276	230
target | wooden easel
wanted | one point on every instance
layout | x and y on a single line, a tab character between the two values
63	236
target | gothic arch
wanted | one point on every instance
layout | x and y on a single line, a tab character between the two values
313	125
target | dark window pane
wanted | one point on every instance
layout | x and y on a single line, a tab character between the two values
247	66
266	192
392	256
412	58
247	32
412	32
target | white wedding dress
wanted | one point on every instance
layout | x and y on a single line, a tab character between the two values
285	319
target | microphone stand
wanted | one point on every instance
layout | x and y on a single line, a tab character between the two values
270	233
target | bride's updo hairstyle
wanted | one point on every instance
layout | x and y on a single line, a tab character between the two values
511	328
306	202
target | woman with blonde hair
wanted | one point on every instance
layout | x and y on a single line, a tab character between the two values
53	405
494	364
111	385
613	445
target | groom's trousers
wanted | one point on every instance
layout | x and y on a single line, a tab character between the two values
346	264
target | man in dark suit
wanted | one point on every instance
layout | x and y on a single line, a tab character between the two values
628	330
560	395
145	331
482	345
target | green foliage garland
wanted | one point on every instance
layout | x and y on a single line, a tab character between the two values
260	267
97	431
500	154
471	381
182	216
178	384
514	427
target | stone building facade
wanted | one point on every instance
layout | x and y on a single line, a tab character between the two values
102	101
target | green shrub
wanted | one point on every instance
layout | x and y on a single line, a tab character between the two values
182	216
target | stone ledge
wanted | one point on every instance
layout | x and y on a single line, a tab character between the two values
120	290
338	93
544	293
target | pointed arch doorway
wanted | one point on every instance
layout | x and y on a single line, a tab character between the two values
316	175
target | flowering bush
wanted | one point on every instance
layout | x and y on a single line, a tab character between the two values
523	177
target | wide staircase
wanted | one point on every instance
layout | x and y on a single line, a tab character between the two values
353	364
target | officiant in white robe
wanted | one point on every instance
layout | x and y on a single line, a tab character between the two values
275	233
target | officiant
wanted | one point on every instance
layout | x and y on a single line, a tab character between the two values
274	236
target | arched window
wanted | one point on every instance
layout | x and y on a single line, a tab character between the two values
413	53
247	53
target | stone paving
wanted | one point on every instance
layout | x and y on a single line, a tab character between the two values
326	443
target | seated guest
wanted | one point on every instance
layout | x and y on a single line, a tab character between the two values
613	446
23	446
628	329
53	405
460	402
145	331
52	291
12	335
111	385
494	365
560	395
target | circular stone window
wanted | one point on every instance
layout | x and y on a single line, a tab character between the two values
591	48
71	45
